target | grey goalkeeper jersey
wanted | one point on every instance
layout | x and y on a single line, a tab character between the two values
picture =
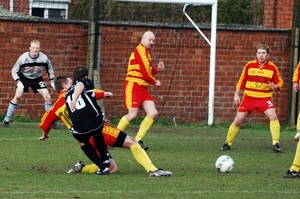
32	68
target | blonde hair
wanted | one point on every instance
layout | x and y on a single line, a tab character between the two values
35	42
263	46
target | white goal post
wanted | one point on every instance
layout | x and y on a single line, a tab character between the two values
212	42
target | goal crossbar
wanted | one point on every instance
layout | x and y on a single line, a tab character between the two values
212	42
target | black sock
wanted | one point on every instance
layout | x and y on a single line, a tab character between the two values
91	153
100	144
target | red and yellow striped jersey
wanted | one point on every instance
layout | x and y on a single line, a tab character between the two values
255	79
59	112
140	68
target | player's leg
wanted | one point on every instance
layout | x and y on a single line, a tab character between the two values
293	172
274	128
90	152
234	129
125	141
101	148
146	124
80	167
12	107
46	95
128	98
297	136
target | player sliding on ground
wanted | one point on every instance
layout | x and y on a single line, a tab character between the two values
112	136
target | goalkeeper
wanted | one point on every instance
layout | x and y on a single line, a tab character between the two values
27	72
112	136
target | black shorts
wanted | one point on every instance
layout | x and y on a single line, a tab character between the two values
37	83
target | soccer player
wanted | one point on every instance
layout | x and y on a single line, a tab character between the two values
87	119
140	74
112	136
27	72
259	79
295	80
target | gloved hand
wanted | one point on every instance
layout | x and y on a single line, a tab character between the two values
20	87
52	84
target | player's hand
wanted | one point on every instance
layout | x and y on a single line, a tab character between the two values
107	122
20	87
295	86
237	100
160	66
157	83
52	84
72	106
273	86
108	94
43	137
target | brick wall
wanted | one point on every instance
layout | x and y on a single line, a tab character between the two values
278	13
184	91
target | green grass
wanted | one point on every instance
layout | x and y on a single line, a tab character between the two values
35	169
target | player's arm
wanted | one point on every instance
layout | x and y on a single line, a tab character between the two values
16	69
145	66
77	92
50	117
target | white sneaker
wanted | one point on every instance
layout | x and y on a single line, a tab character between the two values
297	136
76	168
159	172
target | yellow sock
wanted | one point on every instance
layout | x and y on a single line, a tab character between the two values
275	131
232	131
296	163
91	168
298	123
123	124
144	127
142	158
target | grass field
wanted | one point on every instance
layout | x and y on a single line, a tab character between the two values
34	169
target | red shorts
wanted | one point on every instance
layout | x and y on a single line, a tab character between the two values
134	94
255	104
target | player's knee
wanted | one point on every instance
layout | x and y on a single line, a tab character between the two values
131	115
152	114
48	99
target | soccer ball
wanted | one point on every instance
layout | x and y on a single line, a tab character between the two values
224	164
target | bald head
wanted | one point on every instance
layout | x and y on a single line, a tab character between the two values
148	39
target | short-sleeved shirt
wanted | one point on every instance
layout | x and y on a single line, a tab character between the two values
87	116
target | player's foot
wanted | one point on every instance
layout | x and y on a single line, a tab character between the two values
76	168
5	124
160	172
141	143
297	137
276	148
225	147
104	172
291	174
55	126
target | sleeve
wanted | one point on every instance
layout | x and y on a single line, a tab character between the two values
278	79
296	74
50	117
243	78
99	94
154	71
50	69
16	67
145	65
